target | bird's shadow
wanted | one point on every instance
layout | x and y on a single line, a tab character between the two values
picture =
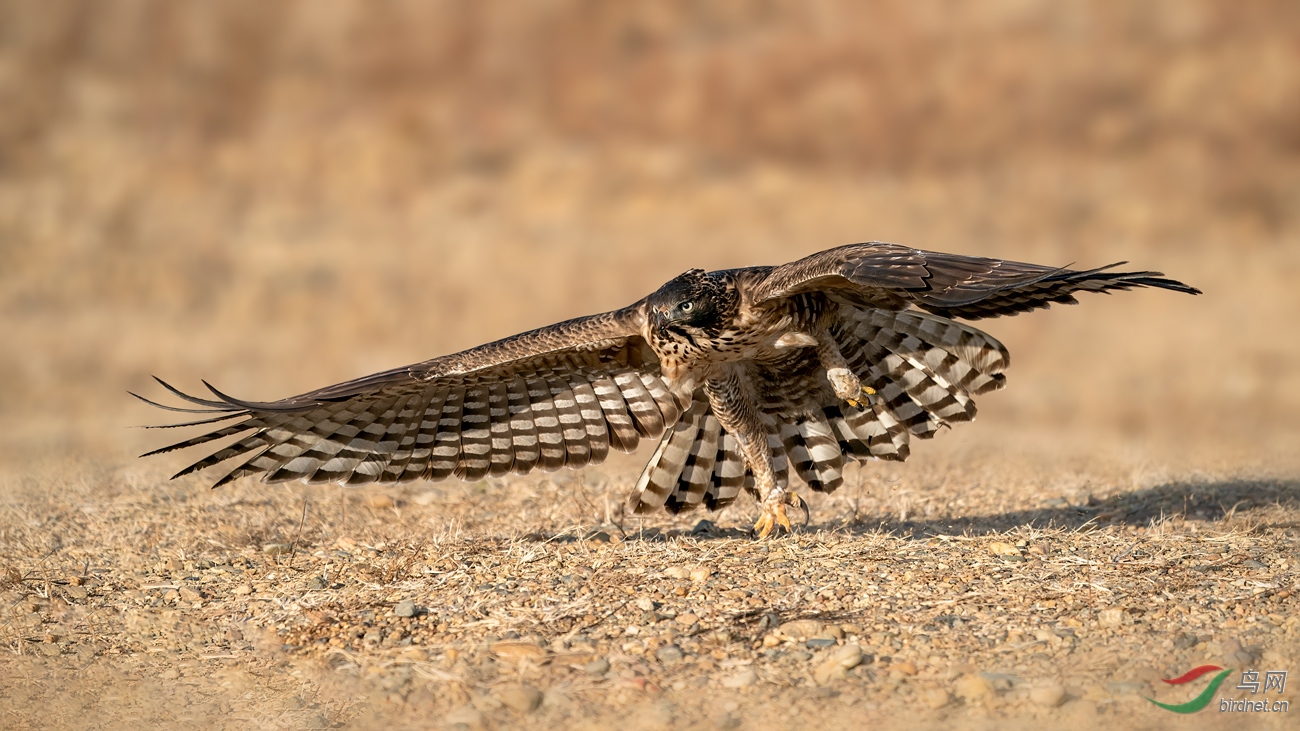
1211	502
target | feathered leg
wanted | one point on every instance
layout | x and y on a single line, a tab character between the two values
735	405
845	382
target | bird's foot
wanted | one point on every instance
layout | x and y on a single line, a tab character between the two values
774	514
848	387
867	393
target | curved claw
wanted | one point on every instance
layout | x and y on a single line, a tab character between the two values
792	498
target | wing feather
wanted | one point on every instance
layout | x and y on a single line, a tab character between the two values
890	276
560	395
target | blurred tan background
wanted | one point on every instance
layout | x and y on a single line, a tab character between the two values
276	196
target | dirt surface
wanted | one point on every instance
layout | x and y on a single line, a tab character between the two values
227	194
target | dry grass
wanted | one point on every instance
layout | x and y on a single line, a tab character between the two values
275	199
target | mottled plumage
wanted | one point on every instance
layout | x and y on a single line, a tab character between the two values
746	376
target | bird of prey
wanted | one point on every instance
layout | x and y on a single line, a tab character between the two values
743	376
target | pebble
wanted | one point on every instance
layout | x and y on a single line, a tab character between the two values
467	716
522	698
701	573
742	679
599	666
242	590
190	594
678	572
1112	617
820	642
517	652
973	688
936	698
907	667
703	527
404	608
686	620
1048	696
837	663
669	654
801	629
998	548
275	549
379	501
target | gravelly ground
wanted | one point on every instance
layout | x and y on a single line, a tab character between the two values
530	603
279	196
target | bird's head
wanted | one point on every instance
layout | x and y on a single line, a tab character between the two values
693	304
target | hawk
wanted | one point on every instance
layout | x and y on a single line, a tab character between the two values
744	376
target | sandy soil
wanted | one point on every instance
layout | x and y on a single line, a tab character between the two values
223	194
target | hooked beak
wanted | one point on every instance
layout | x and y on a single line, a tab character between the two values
659	316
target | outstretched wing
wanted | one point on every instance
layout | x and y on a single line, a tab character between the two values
559	396
890	276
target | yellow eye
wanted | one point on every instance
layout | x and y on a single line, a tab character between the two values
687	306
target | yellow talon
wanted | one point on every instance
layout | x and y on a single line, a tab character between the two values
859	405
770	519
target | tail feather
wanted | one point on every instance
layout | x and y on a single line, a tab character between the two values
661	474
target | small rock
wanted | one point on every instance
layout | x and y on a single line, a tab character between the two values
704	527
973	688
998	548
515	652
819	642
678	572
170	674
1112	617
275	549
1048	696
701	573
427	498
379	501
936	698
315	583
645	604
801	629
242	590
837	663
190	594
907	667
742	679
373	637
686	620
599	536
599	666
404	608
468	716
522	698
76	592
669	654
